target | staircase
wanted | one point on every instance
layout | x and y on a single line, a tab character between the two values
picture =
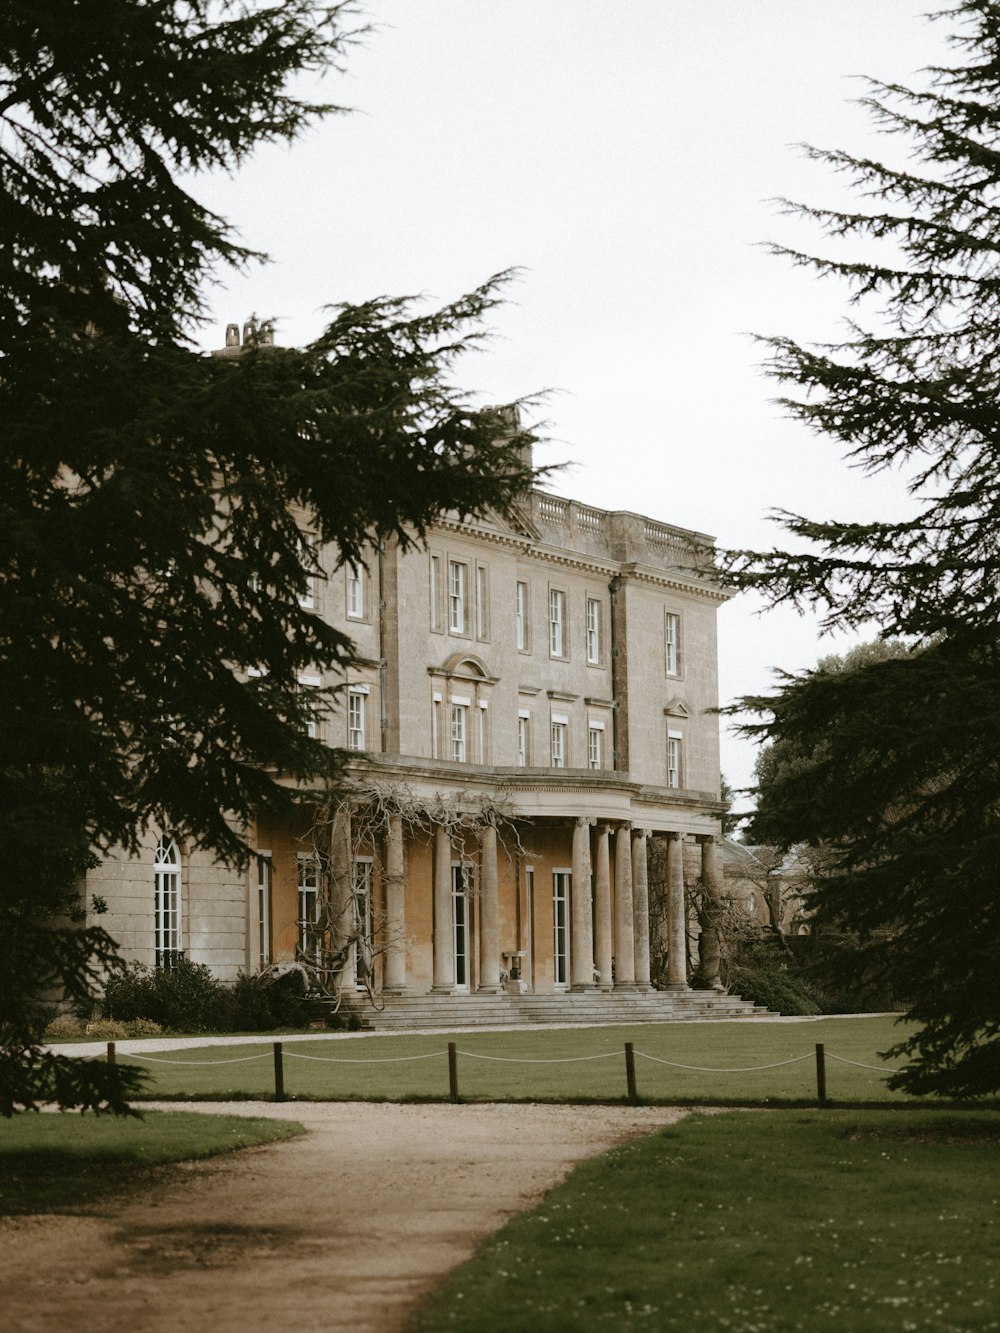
598	1008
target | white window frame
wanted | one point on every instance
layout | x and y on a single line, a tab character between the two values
559	740
593	631
264	877
308	599
457	593
458	719
167	902
307	884
311	682
355	592
672	642
521	617
461	924
595	744
523	738
562	887
357	722
675	758
557	622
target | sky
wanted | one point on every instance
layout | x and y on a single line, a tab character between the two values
625	156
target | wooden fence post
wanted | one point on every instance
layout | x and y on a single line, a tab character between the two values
453	1071
633	1095
112	1054
279	1073
820	1074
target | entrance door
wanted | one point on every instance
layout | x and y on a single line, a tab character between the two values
560	926
460	924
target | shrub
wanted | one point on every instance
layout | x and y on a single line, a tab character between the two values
261	1004
184	998
64	1026
760	970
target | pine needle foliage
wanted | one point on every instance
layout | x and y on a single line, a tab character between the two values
153	501
897	771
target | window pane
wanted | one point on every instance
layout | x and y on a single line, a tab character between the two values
557	609
593	630
456	596
673	643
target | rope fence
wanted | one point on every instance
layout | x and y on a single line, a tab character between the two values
278	1055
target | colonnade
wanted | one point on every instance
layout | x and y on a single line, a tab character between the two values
609	934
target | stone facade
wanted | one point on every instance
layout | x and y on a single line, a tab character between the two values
531	734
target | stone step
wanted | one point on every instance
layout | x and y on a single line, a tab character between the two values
402	1012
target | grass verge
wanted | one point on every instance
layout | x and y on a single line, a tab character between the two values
61	1163
564	1064
747	1221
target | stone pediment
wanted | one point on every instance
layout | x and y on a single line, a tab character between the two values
677	708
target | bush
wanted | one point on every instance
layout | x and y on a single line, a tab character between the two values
184	998
63	1027
263	1004
760	970
187	998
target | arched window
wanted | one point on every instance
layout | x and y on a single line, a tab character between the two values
167	902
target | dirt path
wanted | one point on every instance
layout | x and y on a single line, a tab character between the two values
347	1228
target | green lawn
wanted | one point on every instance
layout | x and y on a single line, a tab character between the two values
385	1067
58	1163
752	1222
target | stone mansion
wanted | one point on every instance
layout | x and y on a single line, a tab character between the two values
534	775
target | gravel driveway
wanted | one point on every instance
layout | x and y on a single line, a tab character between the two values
349	1227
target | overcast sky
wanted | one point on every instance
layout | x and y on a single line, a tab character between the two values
624	154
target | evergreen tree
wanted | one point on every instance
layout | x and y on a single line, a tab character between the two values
899	760
153	501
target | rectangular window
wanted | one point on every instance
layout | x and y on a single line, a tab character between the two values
459	733
308	548
559	727
363	952
593	631
560	926
167	903
482	602
263	908
672	637
456	597
436	589
522	740
521	618
308	887
310	682
355	592
557	622
356	720
460	924
673	759
595	746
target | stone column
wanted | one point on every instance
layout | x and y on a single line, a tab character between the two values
394	888
710	919
603	944
444	948
676	914
581	943
624	927
341	905
489	913
640	909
